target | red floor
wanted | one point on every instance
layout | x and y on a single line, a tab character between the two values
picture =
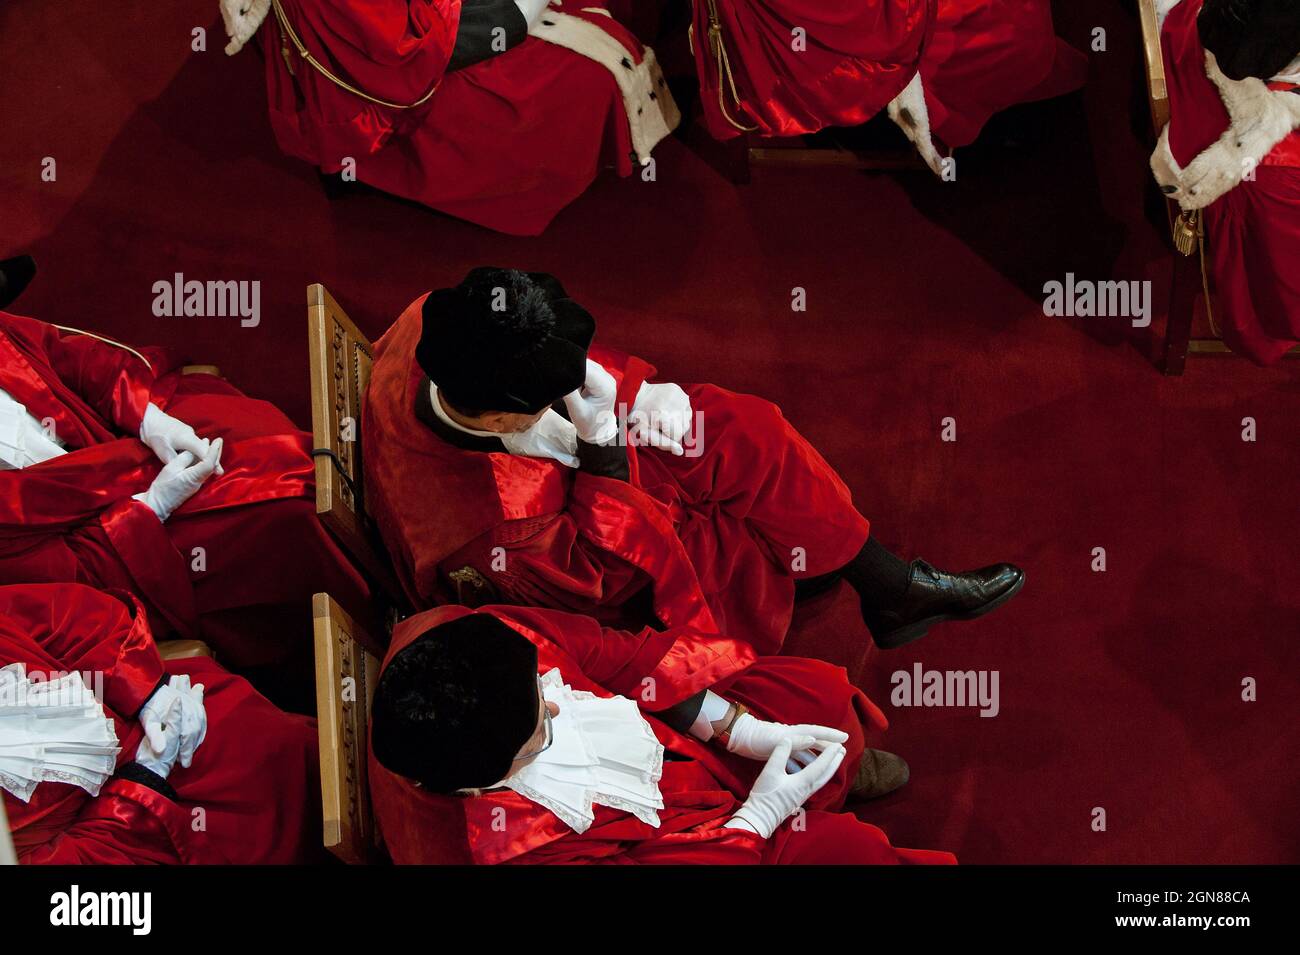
1119	690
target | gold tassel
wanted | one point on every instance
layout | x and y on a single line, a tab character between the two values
1187	232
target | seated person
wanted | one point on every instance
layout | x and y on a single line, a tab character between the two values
176	762
1232	151
943	67
496	111
649	502
105	480
514	735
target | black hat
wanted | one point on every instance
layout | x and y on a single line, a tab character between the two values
504	340
453	709
1257	38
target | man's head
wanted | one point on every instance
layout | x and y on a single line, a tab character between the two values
503	346
461	707
1259	38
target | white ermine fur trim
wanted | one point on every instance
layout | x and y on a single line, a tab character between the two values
909	111
651	110
1260	118
242	18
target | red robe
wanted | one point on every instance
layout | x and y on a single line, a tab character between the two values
72	518
722	535
702	786
975	57
250	796
1252	232
506	143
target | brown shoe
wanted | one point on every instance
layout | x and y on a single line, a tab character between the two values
879	773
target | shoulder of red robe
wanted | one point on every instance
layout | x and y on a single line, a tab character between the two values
1260	119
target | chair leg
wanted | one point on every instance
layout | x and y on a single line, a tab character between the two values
1182	304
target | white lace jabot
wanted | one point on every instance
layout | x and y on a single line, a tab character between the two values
52	730
604	754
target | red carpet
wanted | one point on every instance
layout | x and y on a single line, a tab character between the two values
1119	690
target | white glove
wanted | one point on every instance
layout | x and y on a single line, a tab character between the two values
756	739
591	407
177	482
550	437
777	795
660	417
242	18
168	436
175	724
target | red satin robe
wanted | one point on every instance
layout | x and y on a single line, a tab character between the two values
251	794
722	535
702	785
506	143
72	518
975	57
1252	232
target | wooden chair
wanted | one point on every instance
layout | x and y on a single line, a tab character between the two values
184	649
345	686
341	359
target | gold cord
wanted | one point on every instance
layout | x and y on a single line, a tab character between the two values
719	49
106	341
287	30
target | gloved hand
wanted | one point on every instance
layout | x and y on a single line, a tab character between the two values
168	436
591	407
178	480
175	724
242	18
660	417
550	437
777	795
756	739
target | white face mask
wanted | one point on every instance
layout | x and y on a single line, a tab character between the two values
604	753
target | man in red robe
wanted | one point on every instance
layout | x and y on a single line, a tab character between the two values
515	735
244	790
1232	151
106	486
631	501
495	111
944	67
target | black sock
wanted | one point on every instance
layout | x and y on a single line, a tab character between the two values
879	577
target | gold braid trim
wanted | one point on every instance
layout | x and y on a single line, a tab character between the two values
287	30
106	341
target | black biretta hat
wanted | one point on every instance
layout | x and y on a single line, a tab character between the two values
1257	38
453	709
504	340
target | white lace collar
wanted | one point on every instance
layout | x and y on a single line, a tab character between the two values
604	753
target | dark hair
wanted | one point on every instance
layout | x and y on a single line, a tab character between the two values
452	710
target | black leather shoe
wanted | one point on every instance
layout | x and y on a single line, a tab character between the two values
15	274
934	596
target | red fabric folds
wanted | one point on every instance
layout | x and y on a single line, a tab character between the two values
249	796
718	537
506	143
702	786
1252	232
72	518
